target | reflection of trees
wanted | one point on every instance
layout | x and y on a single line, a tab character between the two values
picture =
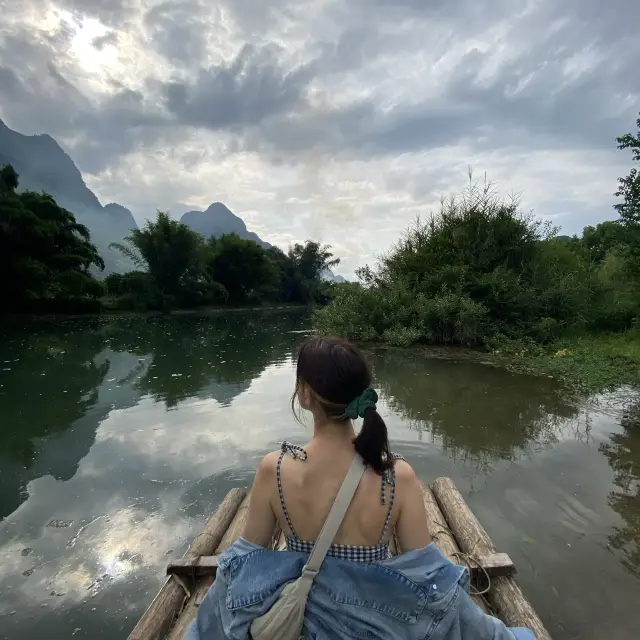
623	452
63	379
214	356
476	411
52	383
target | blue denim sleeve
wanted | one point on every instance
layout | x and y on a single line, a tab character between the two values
475	624
209	624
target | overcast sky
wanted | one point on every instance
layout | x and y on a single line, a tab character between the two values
337	120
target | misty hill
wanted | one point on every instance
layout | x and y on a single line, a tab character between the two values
119	215
44	166
327	274
217	220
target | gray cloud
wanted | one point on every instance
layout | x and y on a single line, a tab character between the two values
100	42
243	92
543	90
113	13
178	31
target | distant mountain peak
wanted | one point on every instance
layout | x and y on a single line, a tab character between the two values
328	275
43	165
216	220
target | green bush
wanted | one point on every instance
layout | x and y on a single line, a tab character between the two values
483	271
618	305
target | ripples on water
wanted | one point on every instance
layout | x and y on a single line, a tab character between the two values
119	436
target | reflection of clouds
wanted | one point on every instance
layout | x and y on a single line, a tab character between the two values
135	480
157	454
201	436
120	542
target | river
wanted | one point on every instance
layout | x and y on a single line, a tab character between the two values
119	436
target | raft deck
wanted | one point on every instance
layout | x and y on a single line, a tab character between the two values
454	528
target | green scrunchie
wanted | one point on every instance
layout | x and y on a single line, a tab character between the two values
367	399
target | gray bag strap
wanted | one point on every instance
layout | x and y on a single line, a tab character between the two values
337	514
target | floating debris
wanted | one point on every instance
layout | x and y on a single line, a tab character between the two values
81	529
60	524
26	551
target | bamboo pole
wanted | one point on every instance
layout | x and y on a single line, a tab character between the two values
505	596
442	536
234	530
158	618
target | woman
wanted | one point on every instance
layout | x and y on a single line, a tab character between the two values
360	590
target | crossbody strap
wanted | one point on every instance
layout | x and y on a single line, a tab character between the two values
337	513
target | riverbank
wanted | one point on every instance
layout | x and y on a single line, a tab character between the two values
583	364
587	363
115	313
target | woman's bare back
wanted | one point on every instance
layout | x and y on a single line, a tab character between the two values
309	487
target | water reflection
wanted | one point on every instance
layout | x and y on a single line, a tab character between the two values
59	381
215	357
623	453
110	461
48	384
475	412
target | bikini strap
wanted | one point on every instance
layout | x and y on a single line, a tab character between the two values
298	453
388	478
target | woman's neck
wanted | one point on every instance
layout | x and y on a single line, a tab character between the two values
329	433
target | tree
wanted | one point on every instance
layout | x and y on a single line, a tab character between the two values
172	253
241	266
8	179
629	186
309	261
45	255
312	259
603	238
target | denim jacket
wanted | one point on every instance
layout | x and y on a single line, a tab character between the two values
417	595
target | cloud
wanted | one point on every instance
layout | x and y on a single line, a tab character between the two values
100	42
177	30
241	93
340	120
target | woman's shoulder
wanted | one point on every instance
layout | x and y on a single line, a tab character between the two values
268	465
404	471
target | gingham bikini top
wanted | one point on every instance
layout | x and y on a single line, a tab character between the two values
357	553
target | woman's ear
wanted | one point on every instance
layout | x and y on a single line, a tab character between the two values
304	396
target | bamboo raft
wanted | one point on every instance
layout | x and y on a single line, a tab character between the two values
454	528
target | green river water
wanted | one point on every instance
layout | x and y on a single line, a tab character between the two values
119	436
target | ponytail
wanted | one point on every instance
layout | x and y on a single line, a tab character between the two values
372	443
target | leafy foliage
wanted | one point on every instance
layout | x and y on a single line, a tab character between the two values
45	255
242	267
481	269
629	186
179	268
172	255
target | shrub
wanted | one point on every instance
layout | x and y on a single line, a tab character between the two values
482	269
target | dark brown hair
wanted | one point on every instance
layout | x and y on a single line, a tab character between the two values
336	372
